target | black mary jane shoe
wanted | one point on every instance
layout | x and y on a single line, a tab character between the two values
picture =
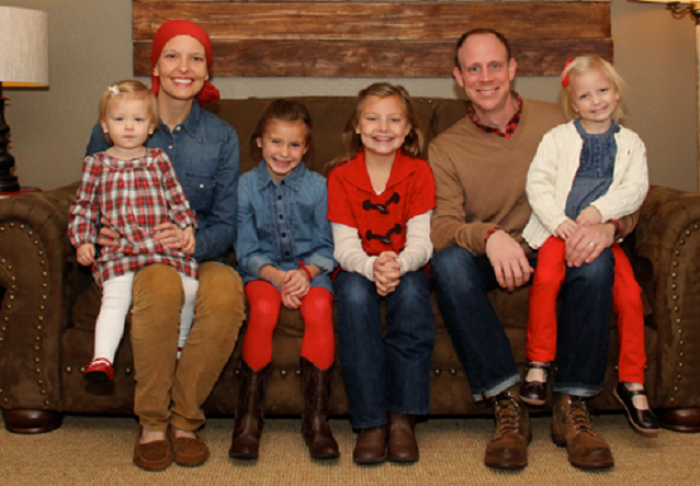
643	420
535	392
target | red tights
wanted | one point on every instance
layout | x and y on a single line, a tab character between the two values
627	304
318	345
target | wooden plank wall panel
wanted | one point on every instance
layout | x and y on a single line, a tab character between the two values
373	39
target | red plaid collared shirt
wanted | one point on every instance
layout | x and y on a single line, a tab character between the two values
510	127
134	196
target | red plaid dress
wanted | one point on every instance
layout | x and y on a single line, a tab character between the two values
134	196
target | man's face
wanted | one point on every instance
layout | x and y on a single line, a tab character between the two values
486	73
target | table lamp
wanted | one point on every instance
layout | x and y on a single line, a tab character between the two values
24	63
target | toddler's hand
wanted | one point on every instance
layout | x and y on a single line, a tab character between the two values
589	216
296	283
565	230
188	241
86	254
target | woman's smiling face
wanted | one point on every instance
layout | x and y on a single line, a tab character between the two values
181	68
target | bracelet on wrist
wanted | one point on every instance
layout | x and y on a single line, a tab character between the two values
306	270
618	228
490	232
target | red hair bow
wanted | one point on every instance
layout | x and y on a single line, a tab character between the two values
564	75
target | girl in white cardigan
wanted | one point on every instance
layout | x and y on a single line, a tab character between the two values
589	171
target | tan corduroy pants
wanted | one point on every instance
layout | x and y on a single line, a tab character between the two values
166	395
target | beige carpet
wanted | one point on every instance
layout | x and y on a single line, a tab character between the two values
97	451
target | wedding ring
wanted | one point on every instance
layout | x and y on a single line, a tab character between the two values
591	244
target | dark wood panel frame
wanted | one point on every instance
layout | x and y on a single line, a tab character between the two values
374	39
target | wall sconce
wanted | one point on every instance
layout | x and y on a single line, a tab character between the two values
24	63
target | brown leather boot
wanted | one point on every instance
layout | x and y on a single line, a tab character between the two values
249	412
508	448
571	427
316	388
402	445
371	445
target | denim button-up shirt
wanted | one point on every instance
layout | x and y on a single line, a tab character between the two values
204	153
282	224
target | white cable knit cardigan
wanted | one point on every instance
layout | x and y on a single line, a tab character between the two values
554	168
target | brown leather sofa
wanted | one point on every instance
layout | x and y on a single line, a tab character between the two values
49	305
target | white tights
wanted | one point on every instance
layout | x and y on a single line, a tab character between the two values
116	301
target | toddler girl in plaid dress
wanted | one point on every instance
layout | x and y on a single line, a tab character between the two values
132	189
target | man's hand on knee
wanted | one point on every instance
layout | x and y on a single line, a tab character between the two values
588	242
508	260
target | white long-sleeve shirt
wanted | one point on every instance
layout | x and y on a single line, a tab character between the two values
416	254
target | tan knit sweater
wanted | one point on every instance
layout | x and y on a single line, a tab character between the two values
480	178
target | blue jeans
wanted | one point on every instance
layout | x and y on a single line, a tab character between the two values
462	282
391	372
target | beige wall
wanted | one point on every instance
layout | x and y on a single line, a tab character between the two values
90	47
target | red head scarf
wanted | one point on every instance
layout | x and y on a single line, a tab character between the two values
173	28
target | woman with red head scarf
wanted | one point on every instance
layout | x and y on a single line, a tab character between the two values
204	153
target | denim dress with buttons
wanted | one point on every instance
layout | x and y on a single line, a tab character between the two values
595	170
284	224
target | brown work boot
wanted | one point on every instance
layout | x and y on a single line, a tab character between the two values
371	445
571	427
508	448
316	388
402	445
249	412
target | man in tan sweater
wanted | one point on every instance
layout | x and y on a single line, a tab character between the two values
480	166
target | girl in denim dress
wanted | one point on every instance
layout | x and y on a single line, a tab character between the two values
285	253
587	172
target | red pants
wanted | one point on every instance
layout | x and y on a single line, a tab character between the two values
627	304
318	345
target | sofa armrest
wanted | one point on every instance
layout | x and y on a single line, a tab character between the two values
39	279
666	252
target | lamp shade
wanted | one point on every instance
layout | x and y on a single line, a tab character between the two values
24	47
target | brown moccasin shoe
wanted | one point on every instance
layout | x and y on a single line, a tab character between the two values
187	451
152	456
571	428
508	448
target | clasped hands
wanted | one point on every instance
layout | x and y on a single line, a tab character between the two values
387	272
585	238
294	284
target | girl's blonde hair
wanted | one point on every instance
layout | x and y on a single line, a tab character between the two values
581	65
352	142
284	110
132	88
